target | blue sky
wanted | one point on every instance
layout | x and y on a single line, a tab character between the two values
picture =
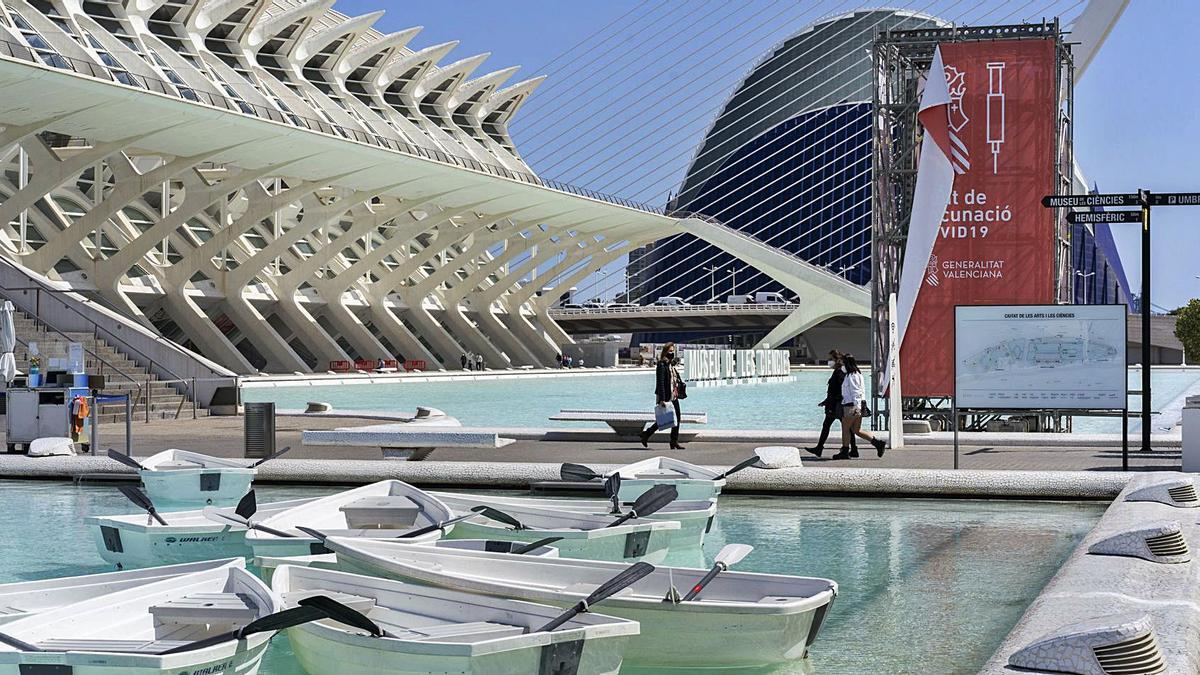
1136	124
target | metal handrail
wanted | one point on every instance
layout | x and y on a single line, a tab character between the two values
715	307
96	328
241	106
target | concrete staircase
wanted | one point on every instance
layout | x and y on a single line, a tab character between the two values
122	375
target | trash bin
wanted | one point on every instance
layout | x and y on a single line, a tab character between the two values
259	429
1191	434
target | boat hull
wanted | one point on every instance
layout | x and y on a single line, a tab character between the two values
689	489
185	489
130	547
279	547
245	661
617	547
672	637
317	653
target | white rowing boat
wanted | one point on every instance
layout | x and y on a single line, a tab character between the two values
383	510
126	632
774	618
328	561
137	540
179	479
691	481
24	598
695	518
436	630
580	535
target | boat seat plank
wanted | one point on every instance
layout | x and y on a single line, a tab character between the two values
356	602
409	626
207	608
108	645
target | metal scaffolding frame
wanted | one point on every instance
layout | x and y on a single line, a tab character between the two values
901	60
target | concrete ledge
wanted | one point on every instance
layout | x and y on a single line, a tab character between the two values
800	481
1107	587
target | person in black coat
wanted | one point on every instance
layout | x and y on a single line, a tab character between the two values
832	404
666	390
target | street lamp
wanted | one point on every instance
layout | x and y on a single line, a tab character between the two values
1085	277
733	272
712	281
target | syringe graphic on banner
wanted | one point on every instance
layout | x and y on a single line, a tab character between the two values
995	111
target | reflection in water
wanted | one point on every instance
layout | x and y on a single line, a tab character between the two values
926	586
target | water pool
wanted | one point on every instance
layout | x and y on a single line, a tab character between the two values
926	586
767	403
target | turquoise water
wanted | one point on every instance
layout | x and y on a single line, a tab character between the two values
925	586
768	403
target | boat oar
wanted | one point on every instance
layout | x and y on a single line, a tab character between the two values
217	515
135	495
577	472
537	544
436	526
271	622
270	457
626	578
744	464
342	614
247	506
126	460
728	556
500	516
651	500
612	488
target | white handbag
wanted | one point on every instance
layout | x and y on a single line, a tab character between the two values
664	415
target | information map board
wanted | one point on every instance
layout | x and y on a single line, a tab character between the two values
1049	357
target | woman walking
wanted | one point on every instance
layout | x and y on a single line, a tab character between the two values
853	396
666	390
833	404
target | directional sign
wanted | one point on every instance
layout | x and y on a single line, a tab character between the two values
1063	201
1092	217
1175	199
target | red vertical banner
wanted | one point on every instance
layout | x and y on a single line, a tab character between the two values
995	244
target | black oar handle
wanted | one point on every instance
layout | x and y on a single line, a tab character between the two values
712	573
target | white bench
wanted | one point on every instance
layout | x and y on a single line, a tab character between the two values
624	422
402	441
206	608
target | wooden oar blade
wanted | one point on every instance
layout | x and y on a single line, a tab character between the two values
744	464
577	472
342	614
125	459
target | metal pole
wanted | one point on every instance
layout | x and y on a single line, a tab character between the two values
193	393
128	425
147	399
1144	195
954	424
1125	438
95	435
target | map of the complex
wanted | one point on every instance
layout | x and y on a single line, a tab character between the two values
1040	356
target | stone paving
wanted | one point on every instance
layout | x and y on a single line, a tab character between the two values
222	436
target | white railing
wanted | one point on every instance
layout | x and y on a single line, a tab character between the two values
715	308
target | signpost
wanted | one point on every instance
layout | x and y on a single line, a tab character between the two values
1143	199
1096	217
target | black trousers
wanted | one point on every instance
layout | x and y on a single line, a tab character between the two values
674	430
830	418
